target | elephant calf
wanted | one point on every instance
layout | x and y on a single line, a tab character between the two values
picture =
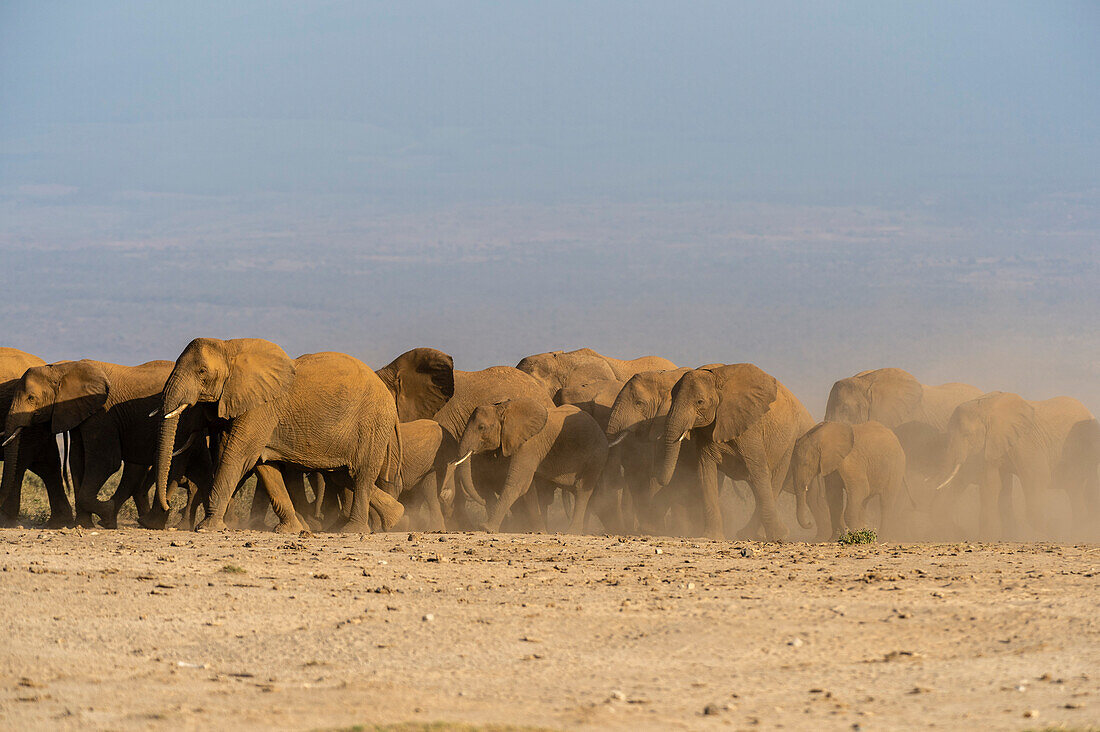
561	446
860	460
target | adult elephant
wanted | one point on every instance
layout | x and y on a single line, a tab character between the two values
918	414
35	449
894	397
481	476
105	408
321	411
746	422
558	369
1011	436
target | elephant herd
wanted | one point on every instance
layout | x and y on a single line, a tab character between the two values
629	445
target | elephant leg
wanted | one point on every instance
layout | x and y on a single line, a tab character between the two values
101	461
257	513
295	481
712	510
240	451
583	490
1005	504
858	492
133	477
834	496
534	517
989	491
515	485
819	507
271	479
49	469
317	485
429	494
760	480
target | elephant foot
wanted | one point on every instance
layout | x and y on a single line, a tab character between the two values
292	526
355	527
60	521
211	524
84	521
11	522
108	518
156	523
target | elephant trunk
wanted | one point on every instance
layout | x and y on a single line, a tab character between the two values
12	470
176	399
164	459
677	426
802	508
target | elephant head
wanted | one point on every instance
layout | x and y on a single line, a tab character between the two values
61	395
727	398
817	453
889	396
235	376
504	426
642	405
999	427
557	369
421	381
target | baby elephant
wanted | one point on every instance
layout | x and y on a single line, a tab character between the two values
562	446
860	460
423	468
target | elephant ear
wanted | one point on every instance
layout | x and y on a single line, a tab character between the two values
259	372
895	396
421	381
836	440
81	391
1009	419
745	393
520	420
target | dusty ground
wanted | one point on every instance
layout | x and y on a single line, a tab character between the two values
137	629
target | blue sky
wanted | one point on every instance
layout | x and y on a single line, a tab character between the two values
774	173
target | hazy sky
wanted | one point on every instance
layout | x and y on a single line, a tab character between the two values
817	187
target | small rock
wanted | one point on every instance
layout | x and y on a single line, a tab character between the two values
747	551
713	709
796	642
657	550
428	617
1031	714
616	695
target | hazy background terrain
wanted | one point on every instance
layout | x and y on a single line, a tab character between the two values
818	189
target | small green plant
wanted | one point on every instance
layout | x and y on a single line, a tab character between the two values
233	569
863	536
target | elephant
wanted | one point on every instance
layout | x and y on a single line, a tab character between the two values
34	450
105	408
480	476
561	446
893	397
1079	470
423	468
858	462
595	397
746	423
321	411
558	369
1010	436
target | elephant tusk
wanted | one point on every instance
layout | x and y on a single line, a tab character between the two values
684	436
462	459
950	478
12	436
177	411
190	441
155	412
619	438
